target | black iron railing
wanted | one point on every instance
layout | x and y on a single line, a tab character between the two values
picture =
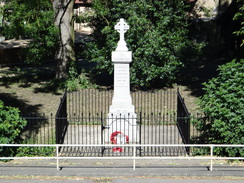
162	118
40	129
61	120
149	129
94	101
183	120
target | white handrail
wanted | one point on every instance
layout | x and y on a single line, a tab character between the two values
122	145
133	157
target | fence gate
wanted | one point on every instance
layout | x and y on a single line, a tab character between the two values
82	119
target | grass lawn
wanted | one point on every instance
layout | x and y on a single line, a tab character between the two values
28	87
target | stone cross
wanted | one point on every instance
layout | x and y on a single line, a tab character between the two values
122	27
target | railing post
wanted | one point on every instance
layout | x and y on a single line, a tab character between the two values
134	157
102	139
211	154
57	150
140	125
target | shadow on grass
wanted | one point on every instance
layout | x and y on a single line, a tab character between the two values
39	77
14	101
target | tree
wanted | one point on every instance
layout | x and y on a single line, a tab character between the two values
158	38
223	103
64	19
239	16
50	26
223	106
32	19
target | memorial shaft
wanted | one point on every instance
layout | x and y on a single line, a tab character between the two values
122	118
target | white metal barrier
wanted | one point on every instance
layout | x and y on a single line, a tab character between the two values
211	156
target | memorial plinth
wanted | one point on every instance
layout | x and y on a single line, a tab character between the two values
122	117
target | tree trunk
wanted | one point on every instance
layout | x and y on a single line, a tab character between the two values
64	21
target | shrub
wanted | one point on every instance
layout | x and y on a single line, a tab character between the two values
11	125
223	106
77	81
158	38
36	151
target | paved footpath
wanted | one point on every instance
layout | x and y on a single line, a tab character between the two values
124	180
119	171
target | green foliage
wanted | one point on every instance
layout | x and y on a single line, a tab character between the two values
240	16
11	125
223	105
36	151
158	38
76	81
32	19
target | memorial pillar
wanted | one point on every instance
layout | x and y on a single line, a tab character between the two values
121	121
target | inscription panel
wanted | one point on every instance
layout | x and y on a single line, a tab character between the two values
122	56
121	77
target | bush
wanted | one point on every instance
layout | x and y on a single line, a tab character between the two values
158	38
11	125
77	81
36	151
223	106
